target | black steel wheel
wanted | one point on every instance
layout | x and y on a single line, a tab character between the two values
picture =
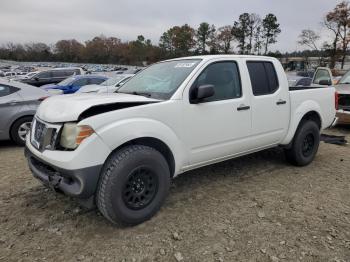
140	188
305	144
133	185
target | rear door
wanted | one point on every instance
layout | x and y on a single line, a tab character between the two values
269	103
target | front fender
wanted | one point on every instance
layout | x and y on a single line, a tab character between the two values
123	131
298	114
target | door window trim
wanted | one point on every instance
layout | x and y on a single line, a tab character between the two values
275	72
217	62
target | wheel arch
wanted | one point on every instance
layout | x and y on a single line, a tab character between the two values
312	115
155	143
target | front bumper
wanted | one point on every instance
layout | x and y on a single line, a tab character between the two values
80	183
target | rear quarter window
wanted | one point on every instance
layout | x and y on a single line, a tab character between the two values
263	77
7	90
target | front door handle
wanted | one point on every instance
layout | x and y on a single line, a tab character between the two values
243	107
281	102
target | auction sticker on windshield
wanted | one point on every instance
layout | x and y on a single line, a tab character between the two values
187	65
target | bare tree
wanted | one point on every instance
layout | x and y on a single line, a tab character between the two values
338	21
309	38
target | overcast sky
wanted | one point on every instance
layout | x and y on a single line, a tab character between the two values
51	20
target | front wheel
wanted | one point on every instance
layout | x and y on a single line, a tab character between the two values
305	144
133	185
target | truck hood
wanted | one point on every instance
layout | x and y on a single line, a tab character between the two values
67	108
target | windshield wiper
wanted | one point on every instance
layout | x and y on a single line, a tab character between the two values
136	93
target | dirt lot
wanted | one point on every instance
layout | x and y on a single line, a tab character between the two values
255	208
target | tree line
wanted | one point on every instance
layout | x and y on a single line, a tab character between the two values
337	22
250	34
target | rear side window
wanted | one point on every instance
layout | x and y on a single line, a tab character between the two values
81	82
96	81
263	77
7	90
45	74
70	72
58	73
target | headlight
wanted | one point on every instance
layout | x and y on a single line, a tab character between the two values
73	135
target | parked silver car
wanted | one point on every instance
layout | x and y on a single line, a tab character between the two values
18	104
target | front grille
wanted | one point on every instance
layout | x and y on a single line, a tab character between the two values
39	131
44	135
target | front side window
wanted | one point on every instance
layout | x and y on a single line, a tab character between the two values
160	80
263	77
225	78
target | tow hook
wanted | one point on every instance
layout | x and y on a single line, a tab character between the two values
54	181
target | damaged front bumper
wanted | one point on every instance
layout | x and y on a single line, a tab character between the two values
80	183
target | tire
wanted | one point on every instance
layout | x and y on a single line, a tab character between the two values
305	144
19	129
135	169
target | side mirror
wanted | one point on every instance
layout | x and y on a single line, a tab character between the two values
36	78
198	93
325	82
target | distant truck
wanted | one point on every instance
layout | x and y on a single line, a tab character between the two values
121	150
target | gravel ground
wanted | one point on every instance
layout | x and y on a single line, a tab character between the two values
255	208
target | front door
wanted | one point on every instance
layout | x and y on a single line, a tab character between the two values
218	126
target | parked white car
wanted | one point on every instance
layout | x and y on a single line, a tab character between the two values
109	86
121	150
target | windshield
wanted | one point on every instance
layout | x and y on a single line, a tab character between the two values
160	80
345	79
66	81
112	81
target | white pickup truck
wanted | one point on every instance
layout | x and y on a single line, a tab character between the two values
121	150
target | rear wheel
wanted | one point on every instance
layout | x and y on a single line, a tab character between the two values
20	129
133	185
305	144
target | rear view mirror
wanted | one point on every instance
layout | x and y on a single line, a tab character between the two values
325	82
201	92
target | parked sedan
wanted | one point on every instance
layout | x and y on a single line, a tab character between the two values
109	86
74	83
18	104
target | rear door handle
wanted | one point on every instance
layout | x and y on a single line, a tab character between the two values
281	102
243	107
